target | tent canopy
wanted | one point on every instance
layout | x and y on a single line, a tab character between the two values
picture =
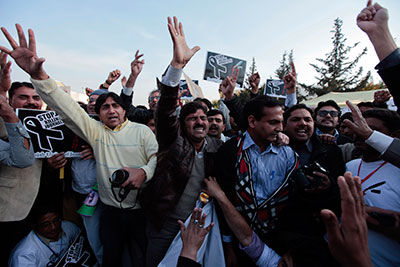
341	98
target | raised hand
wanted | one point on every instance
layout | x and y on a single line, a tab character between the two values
24	54
382	96
123	81
113	76
359	126
229	83
254	81
182	52
372	18
5	77
136	68
290	80
6	111
348	241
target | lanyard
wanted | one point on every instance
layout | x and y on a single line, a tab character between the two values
52	251
369	175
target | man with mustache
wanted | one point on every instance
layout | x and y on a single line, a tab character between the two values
217	124
21	188
186	155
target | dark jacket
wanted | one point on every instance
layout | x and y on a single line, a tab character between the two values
132	113
175	159
389	70
297	228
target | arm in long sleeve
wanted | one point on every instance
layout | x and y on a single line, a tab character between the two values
389	69
151	148
14	153
71	113
166	120
388	146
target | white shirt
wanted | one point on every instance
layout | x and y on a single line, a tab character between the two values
384	250
32	251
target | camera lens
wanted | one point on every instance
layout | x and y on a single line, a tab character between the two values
120	176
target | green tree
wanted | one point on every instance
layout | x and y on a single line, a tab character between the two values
284	65
337	71
252	70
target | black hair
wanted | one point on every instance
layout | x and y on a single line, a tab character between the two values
289	111
190	108
40	210
213	112
102	98
16	85
256	107
330	103
347	115
366	104
205	101
390	119
141	107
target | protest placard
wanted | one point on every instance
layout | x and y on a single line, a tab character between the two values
79	253
219	66
48	133
183	85
275	88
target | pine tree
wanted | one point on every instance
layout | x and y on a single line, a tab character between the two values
284	65
252	70
336	72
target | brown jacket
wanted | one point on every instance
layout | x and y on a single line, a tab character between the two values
174	160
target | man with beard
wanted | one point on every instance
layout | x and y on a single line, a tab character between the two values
185	156
380	184
326	116
217	124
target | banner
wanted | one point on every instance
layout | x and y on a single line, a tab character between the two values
194	88
48	134
78	254
275	88
219	66
183	85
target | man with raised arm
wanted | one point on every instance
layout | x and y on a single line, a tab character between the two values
117	143
373	20
186	155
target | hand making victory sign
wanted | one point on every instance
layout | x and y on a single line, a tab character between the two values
24	54
290	80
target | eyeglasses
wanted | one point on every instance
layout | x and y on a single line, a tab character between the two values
154	97
324	113
47	224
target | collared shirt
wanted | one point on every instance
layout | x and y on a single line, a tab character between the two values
305	153
200	154
118	127
318	132
13	152
269	168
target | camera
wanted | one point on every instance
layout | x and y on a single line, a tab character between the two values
301	180
119	177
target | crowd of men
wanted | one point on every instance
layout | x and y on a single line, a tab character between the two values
282	175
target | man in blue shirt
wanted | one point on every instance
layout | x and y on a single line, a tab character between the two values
254	172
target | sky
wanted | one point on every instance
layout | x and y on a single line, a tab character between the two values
82	41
